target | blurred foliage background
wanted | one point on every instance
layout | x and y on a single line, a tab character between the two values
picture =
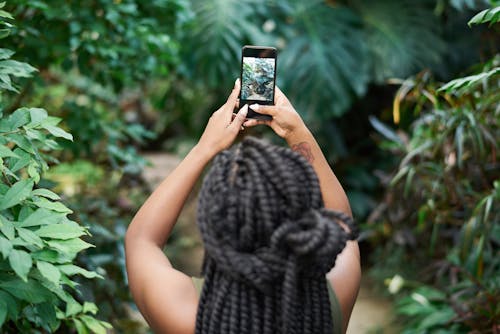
419	160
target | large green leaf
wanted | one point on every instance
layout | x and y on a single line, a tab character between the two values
69	230
16	194
324	66
21	263
403	36
223	27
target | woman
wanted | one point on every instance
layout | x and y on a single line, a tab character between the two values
274	284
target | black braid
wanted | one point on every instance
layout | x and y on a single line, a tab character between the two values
269	242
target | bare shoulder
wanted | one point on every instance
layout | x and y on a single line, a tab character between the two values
165	296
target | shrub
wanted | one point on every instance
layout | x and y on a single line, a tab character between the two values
38	242
442	207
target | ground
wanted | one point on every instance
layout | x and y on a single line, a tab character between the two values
372	312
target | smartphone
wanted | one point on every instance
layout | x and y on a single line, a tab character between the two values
258	77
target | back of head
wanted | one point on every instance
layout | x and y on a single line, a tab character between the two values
269	242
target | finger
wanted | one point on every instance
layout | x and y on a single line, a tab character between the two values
239	118
253	122
228	107
266	110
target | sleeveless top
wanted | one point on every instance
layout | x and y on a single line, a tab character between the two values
334	304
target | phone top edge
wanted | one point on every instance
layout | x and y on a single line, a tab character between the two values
258	47
259	51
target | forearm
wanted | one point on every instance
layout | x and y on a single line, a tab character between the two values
334	196
156	218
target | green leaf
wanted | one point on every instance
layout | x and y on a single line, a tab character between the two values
49	255
3	312
37	115
12	305
5	14
72	307
69	247
80	327
438	317
47	312
4	33
42	217
21	263
22	142
32	291
5	247
93	324
6	152
71	269
46	193
5	53
403	43
488	15
33	171
29	236
42	202
90	308
49	271
17	119
22	161
16	194
385	131
16	68
7	228
69	230
461	84
58	132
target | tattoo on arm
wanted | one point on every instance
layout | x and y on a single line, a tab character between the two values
305	150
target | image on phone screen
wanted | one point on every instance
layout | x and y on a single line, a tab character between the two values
258	79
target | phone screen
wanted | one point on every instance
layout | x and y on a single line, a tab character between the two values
257	82
258	76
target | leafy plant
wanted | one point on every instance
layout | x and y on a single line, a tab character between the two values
38	242
442	206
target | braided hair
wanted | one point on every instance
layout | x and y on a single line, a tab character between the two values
269	242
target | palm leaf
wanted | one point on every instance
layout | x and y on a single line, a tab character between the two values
221	28
322	66
402	35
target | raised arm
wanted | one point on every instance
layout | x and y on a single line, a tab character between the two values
346	275
166	297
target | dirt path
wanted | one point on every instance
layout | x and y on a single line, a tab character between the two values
372	313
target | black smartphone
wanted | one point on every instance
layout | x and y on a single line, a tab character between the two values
258	77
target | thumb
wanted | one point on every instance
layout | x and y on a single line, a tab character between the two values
239	118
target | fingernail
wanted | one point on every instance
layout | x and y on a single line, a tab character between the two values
254	106
236	81
244	110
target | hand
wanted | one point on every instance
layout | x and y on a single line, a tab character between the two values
286	121
222	127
